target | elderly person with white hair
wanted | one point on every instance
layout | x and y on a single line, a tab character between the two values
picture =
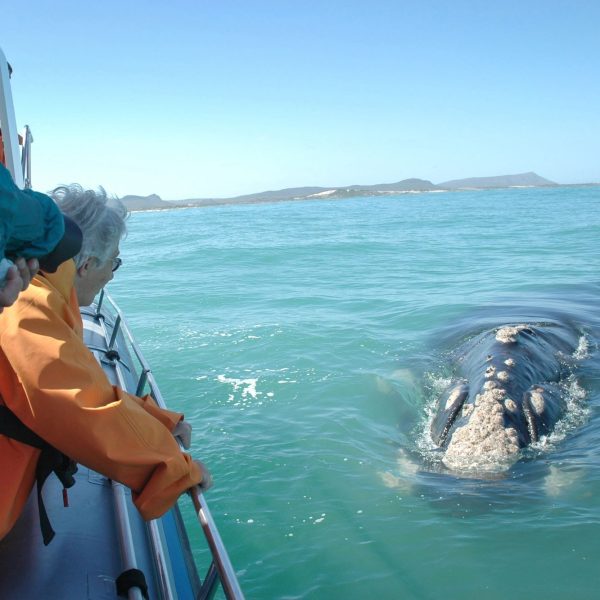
51	384
102	222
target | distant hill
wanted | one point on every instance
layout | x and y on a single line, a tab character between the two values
308	193
154	202
401	186
501	181
151	202
268	196
406	185
278	195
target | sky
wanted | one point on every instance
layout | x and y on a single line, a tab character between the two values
197	99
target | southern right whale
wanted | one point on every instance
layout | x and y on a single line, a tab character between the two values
508	395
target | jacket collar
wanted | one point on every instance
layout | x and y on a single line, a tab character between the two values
63	280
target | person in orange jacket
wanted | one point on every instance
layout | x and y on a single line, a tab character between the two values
53	384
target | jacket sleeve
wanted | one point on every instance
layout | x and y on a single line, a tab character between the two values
65	397
31	223
167	417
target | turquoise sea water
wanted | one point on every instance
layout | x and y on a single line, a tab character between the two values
305	341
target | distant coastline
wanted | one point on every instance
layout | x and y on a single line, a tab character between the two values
407	186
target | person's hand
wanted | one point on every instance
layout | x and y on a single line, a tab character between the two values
27	270
207	481
183	433
13	284
17	279
33	266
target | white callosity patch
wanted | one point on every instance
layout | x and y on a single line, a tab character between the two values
503	376
453	398
483	443
467	409
509	362
508	335
537	401
490	372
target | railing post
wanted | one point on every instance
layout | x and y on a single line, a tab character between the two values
115	332
99	305
141	382
10	136
26	157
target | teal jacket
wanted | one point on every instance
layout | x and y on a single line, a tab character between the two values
31	224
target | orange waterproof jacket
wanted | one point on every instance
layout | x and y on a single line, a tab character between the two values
53	384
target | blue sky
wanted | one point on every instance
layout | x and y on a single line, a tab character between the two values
192	99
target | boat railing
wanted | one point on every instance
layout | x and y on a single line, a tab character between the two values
18	164
26	157
221	569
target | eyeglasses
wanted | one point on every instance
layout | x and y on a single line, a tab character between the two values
116	263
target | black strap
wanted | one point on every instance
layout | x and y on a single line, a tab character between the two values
50	460
12	427
129	579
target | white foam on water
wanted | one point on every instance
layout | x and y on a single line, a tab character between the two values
247	386
425	445
389	385
583	349
559	481
404	477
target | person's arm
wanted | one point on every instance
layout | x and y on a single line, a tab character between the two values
173	421
168	418
68	401
17	279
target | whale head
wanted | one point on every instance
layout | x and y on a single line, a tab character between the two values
482	422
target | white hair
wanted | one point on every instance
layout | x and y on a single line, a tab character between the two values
100	218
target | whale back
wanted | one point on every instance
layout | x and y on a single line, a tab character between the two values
508	393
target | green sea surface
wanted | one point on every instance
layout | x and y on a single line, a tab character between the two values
305	341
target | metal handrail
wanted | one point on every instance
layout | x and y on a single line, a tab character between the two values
221	560
227	575
8	122
125	537
26	157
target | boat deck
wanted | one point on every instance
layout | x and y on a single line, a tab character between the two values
84	559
